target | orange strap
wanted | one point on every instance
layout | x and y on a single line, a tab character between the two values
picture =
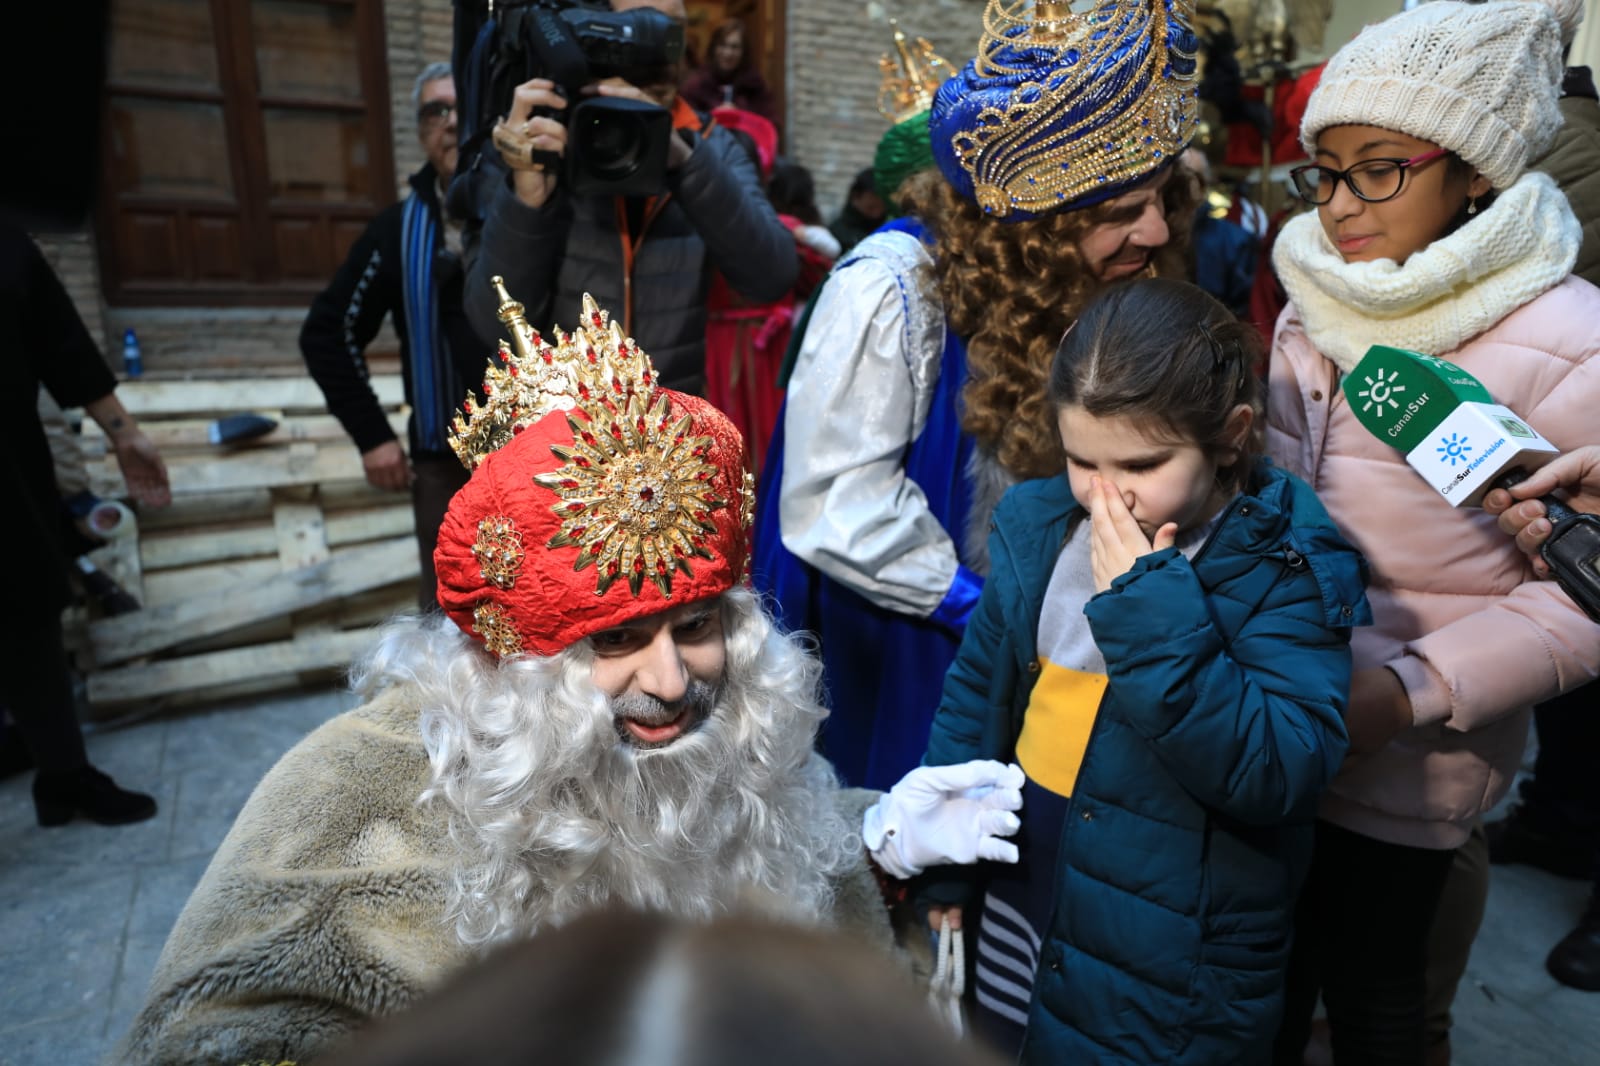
684	117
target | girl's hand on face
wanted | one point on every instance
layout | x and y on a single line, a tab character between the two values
1115	539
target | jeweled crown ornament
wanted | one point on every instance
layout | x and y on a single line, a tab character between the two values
910	77
531	378
596	495
1068	104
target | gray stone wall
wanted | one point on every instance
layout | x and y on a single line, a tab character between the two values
834	45
73	257
418	34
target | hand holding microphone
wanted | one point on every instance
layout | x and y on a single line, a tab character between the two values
1523	516
1469	448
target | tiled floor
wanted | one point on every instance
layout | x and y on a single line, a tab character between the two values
84	910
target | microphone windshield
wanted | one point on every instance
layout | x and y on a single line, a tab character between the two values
1444	420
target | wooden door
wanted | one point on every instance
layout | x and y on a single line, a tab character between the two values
246	146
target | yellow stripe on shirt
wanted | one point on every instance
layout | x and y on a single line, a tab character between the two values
1056	726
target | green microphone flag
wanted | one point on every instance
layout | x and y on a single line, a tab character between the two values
1444	420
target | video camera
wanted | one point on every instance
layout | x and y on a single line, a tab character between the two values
614	146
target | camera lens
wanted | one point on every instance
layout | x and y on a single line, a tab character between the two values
610	145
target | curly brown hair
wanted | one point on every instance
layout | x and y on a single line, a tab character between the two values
1011	290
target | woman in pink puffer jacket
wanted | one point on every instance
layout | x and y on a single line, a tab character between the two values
1430	234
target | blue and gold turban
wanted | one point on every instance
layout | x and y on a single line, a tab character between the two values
1062	109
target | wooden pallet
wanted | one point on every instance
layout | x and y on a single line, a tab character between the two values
270	567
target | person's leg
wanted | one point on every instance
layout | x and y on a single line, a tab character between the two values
1556	824
38	693
437	481
1575	960
1302	981
1375	920
1455	927
14	754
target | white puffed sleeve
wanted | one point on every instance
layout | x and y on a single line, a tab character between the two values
857	399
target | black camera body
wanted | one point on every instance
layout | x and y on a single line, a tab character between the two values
614	146
1573	552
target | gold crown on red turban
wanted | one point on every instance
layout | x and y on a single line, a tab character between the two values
582	462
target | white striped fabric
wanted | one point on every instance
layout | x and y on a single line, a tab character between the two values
1008	954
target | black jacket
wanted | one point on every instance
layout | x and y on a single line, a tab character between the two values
717	218
348	313
46	344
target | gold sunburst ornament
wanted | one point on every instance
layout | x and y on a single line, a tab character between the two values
597	497
636	496
635	490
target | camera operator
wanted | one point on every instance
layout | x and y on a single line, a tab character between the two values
649	257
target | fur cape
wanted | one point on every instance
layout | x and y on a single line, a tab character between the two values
323	907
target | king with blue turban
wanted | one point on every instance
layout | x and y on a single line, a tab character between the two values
918	395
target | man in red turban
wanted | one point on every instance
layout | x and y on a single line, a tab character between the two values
603	715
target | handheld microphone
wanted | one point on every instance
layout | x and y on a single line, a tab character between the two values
1464	444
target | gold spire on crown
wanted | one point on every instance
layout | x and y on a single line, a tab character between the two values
531	378
911	78
1114	103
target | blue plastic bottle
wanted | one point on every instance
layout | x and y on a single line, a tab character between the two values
132	358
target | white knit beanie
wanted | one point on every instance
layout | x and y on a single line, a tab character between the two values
1570	14
1479	79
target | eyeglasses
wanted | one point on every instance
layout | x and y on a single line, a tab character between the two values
1372	180
435	113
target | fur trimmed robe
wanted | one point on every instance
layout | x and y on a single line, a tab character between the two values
323	907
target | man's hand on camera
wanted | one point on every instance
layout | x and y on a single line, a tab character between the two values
522	132
678	150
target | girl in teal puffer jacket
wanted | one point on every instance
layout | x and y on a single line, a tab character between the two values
1172	675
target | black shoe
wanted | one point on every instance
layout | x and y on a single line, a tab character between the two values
14	754
1516	839
59	795
1575	962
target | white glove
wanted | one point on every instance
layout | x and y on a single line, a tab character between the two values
945	814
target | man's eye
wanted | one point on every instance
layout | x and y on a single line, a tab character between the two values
613	640
695	626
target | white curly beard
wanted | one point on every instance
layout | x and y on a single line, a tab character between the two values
555	814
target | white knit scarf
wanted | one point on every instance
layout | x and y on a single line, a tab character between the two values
1443	295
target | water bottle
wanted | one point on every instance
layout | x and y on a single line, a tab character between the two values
132	359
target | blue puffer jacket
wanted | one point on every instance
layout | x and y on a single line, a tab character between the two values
1191	824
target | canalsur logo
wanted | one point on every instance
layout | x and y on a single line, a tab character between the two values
1454	448
1380	390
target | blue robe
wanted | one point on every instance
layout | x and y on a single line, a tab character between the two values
883	670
